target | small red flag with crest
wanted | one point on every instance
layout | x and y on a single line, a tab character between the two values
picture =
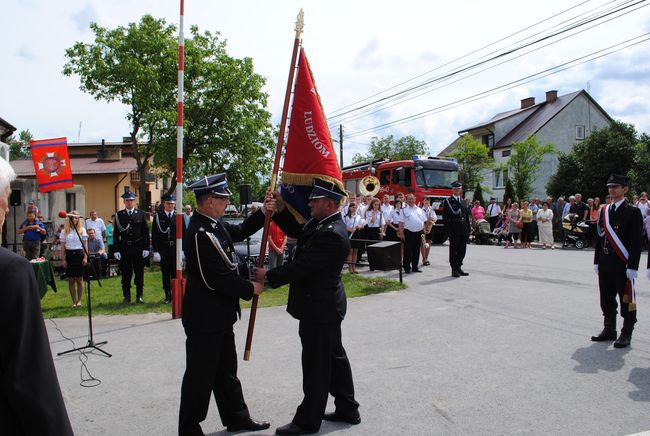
51	164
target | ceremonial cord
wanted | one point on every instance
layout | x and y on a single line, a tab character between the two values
86	382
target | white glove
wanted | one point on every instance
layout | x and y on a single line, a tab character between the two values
117	255
183	257
596	268
631	274
145	254
156	256
647	273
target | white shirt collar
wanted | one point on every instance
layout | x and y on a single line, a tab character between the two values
618	203
327	217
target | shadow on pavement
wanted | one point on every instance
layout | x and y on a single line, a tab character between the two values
599	356
640	377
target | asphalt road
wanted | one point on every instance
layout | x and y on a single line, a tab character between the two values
503	351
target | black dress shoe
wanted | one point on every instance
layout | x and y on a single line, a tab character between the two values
605	335
167	300
407	271
455	273
292	429
250	425
462	273
126	300
139	300
335	417
623	340
417	270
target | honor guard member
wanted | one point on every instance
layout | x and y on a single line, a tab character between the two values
317	299
215	283
163	241
455	216
131	245
616	260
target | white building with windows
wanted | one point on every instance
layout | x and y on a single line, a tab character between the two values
560	120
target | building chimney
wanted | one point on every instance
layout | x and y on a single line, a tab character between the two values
527	102
551	96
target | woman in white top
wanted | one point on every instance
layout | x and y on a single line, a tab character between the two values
545	226
74	256
353	223
375	223
392	224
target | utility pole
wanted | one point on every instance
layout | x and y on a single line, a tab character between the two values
341	143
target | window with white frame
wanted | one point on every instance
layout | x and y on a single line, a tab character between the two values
500	177
580	132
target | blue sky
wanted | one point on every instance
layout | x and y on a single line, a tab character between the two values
356	49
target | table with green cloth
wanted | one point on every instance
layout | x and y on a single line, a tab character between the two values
44	276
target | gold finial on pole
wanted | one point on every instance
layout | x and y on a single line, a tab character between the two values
300	23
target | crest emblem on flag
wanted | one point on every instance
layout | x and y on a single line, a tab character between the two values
51	164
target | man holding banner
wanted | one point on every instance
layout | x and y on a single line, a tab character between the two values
616	261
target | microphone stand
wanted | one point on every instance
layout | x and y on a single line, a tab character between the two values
91	343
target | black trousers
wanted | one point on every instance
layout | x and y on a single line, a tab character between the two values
611	281
168	270
132	264
493	220
211	369
412	242
457	249
325	369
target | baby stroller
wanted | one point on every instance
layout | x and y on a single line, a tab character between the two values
576	232
481	233
500	232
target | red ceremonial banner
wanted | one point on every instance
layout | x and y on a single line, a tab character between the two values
51	164
309	152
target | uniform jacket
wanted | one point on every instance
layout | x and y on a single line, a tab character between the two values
455	217
316	293
214	285
30	397
627	222
131	233
163	234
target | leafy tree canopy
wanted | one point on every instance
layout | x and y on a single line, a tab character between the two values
393	149
524	164
19	147
473	158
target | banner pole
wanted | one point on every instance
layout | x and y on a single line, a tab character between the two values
300	24
178	280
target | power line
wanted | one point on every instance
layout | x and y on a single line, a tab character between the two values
371	111
530	78
466	67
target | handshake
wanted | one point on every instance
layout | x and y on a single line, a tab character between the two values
258	276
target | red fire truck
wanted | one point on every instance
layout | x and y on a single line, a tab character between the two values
429	177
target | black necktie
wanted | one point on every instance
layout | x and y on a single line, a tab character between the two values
612	210
129	213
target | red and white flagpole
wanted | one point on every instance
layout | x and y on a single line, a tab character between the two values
178	283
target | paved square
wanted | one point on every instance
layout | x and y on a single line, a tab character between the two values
503	351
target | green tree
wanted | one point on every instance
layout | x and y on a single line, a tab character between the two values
586	168
19	147
227	127
509	191
135	65
478	194
473	158
640	173
393	149
524	164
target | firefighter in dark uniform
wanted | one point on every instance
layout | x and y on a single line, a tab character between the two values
211	307
163	242
131	245
616	260
317	299
455	216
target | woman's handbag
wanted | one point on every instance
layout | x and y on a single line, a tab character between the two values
519	224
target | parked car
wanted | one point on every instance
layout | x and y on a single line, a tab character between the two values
231	211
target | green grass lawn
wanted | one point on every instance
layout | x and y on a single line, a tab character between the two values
107	300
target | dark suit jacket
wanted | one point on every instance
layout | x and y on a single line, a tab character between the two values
30	397
161	236
627	222
316	293
455	224
134	228
213	290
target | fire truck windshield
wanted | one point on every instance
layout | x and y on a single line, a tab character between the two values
435	178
